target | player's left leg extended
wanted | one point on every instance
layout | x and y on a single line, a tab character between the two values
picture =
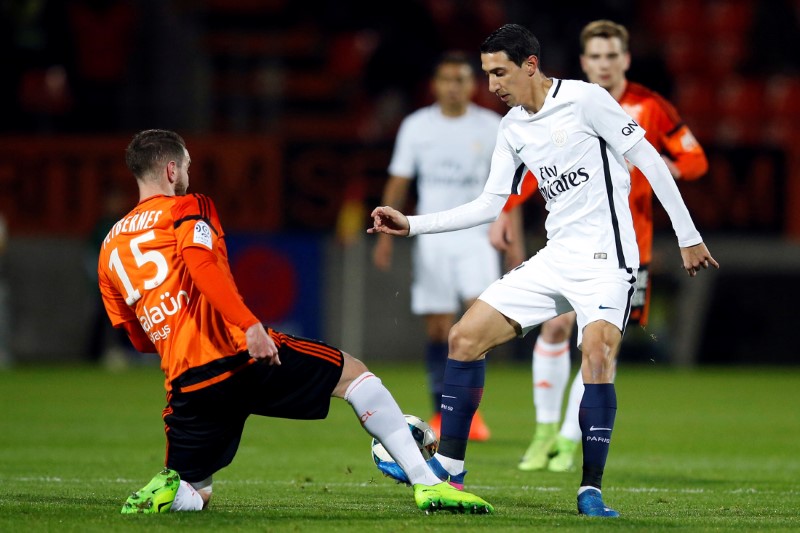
480	329
382	418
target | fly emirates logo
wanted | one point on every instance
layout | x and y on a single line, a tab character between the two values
552	184
152	317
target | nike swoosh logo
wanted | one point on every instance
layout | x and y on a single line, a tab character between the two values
605	307
446	396
518	150
592	428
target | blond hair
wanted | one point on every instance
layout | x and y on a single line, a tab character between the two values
605	29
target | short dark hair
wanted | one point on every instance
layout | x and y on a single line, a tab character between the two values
453	57
516	41
150	148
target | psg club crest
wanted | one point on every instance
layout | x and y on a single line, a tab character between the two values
559	137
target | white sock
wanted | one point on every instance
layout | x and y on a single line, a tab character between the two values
571	429
550	375
382	418
453	466
187	499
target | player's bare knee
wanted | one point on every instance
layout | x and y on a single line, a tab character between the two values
462	343
600	347
351	369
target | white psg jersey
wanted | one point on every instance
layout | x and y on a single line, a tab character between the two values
449	156
574	146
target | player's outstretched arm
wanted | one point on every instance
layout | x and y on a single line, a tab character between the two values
697	257
390	221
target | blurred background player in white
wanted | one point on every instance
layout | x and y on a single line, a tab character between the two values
577	138
605	59
447	147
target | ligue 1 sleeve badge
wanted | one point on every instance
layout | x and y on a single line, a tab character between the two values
202	234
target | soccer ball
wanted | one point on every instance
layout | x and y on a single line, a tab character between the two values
423	434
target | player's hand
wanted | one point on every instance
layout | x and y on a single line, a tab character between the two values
697	257
261	346
505	239
500	232
389	220
382	253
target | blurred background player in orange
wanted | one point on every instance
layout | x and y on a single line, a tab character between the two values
165	279
605	59
447	147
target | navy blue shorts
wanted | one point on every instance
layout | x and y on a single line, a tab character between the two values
204	426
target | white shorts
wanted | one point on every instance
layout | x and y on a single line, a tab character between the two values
448	272
544	287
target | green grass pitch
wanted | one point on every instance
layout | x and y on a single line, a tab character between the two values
703	450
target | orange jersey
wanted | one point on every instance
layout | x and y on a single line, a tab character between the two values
670	136
143	278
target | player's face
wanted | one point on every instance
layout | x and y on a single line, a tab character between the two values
453	87
182	175
604	62
507	80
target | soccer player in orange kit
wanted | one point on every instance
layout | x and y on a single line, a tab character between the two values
164	276
605	59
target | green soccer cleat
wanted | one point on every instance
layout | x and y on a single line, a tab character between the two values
157	496
538	453
564	460
445	497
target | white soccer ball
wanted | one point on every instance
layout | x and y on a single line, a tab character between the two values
423	434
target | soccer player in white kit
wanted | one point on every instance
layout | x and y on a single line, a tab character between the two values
575	138
446	148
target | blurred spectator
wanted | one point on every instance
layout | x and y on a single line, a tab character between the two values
103	34
775	35
463	24
34	49
395	77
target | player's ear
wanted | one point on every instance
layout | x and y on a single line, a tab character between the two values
172	171
531	65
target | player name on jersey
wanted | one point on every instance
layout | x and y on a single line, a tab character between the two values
136	222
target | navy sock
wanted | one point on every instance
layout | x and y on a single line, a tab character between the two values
596	417
435	361
461	395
